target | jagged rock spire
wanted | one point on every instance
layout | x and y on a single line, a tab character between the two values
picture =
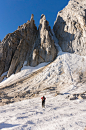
44	47
27	44
32	17
16	47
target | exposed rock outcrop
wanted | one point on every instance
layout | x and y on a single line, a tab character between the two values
77	96
27	44
65	75
16	47
37	46
44	48
70	27
24	49
7	49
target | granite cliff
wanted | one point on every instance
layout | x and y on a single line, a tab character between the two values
44	48
35	46
27	44
63	47
70	27
16	47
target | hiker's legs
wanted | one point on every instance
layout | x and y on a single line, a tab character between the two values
43	103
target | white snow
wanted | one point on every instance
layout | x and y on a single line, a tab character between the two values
65	71
56	42
5	73
58	114
25	71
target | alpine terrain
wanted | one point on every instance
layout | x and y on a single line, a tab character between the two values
44	61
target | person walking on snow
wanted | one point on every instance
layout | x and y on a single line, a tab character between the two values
43	101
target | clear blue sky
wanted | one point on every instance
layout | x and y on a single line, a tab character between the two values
16	12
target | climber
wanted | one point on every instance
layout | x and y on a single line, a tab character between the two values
43	101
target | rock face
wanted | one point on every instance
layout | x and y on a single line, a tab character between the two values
37	46
27	44
7	49
44	48
70	27
24	49
16	47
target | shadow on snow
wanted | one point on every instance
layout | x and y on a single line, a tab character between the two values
5	125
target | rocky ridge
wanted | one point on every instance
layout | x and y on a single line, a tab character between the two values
70	27
37	46
16	47
27	44
66	74
44	48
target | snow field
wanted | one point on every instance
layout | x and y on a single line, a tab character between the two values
25	71
59	114
65	71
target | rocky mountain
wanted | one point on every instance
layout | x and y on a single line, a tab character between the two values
16	47
70	27
63	48
37	46
44	48
27	44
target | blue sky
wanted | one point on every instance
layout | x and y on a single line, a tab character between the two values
16	12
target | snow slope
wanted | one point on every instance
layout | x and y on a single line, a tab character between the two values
25	71
67	74
59	114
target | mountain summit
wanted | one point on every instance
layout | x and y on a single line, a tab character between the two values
61	53
44	48
70	27
38	46
27	44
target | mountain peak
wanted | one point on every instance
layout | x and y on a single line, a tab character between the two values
32	16
70	27
38	46
43	22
